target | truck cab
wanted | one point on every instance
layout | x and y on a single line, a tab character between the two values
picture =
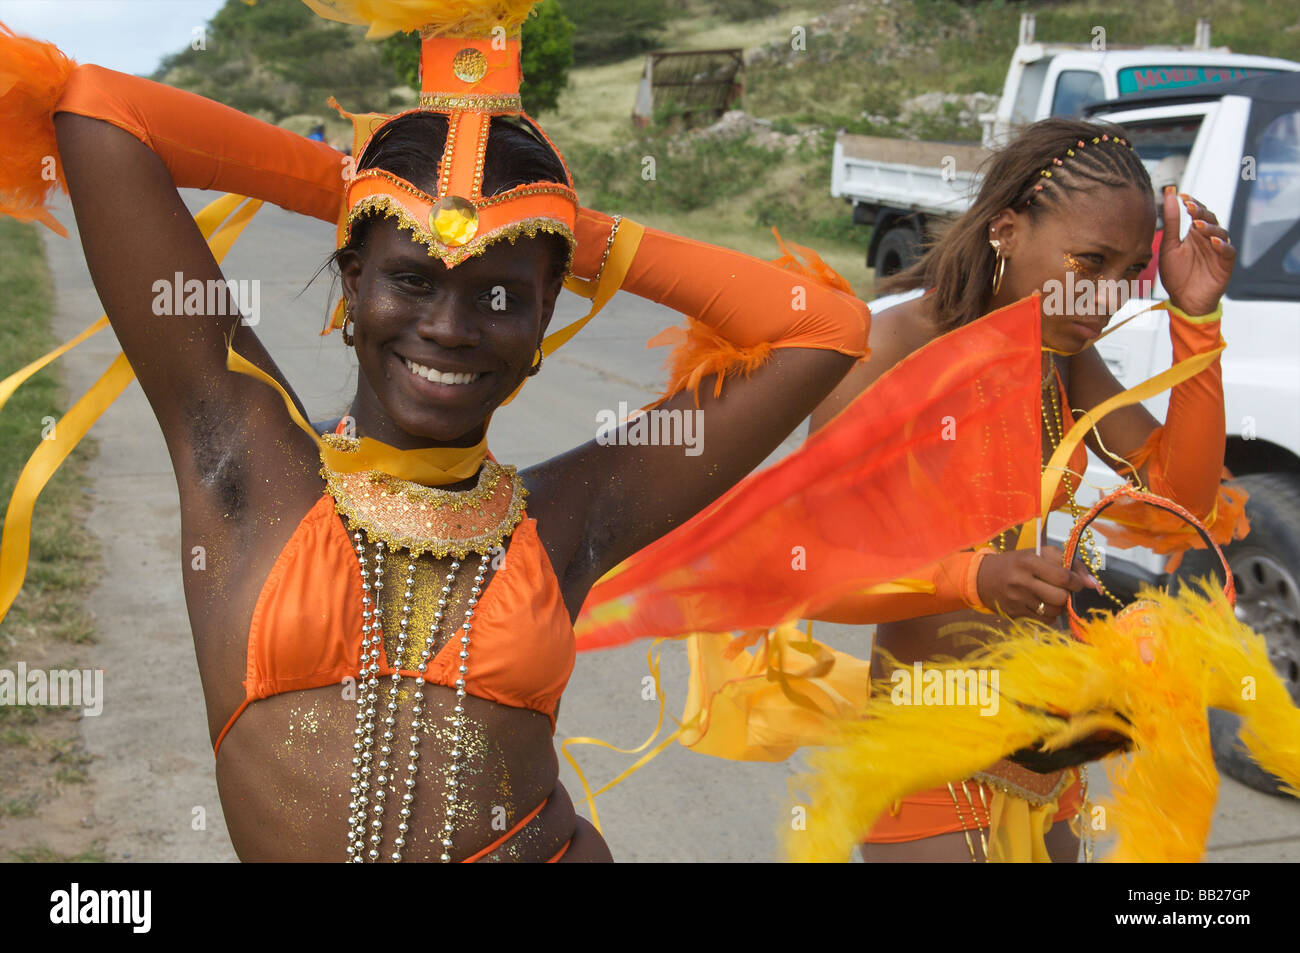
1058	79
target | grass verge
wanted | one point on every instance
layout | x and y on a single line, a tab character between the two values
48	626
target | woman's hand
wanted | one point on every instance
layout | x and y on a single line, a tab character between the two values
1018	583
1194	270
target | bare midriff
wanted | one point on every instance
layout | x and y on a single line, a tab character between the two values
284	769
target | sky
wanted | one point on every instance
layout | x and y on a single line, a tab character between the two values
131	36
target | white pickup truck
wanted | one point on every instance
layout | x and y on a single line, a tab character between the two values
897	186
1235	147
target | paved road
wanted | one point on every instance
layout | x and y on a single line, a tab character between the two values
153	769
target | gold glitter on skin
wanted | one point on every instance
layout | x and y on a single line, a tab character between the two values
1073	264
430	575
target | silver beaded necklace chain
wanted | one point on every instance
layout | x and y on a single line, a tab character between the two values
367	803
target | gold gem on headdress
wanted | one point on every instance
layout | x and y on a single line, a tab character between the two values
454	220
469	65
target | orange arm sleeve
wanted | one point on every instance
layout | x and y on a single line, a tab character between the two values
206	145
1184	457
740	307
952	582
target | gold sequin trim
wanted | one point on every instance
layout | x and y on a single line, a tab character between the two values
997	778
396	182
479	102
529	227
423	519
522	190
435	30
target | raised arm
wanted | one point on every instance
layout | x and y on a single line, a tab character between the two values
1183	458
138	237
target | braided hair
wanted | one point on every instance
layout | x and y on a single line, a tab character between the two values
1047	163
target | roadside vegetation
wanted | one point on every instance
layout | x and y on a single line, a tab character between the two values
45	763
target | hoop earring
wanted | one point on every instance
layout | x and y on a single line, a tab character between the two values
348	336
537	365
1000	267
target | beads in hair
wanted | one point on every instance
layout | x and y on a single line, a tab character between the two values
1070	153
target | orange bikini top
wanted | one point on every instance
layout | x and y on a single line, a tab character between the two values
307	634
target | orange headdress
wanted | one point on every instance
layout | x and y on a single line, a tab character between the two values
469	72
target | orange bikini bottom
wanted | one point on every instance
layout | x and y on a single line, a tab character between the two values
933	812
520	825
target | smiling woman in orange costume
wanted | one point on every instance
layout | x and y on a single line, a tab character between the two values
374	560
1065	196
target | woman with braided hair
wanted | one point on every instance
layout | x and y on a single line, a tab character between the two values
1067	204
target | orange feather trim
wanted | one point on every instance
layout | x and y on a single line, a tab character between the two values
698	351
1133	523
33	74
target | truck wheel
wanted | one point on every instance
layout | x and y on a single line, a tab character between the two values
1266	570
898	249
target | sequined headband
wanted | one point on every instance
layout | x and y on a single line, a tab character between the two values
469	78
1057	161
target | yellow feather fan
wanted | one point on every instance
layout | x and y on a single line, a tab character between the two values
438	17
1149	673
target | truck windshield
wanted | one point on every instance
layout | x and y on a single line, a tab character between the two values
1075	87
1135	79
1273	197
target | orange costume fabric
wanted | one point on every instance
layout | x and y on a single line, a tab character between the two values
932	812
882	490
948	585
305	635
1184	460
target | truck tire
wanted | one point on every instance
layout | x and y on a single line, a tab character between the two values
898	249
1266	570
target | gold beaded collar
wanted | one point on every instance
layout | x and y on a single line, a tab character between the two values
426	519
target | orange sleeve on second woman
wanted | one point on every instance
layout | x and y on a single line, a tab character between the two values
1184	457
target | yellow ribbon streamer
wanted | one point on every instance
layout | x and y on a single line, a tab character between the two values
12	382
1162	382
15	544
652	660
621	254
207	221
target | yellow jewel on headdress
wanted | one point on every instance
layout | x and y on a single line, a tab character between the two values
453	220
